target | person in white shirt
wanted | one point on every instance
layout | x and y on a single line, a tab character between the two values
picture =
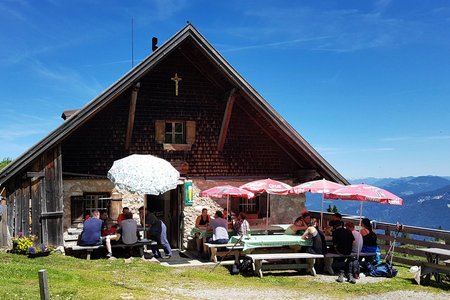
358	242
219	227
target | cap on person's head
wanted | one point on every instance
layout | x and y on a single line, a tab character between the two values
338	215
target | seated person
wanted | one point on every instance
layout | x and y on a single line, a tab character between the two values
226	216
342	244
354	268
201	222
91	235
110	228
129	232
110	231
336	219
219	228
121	216
358	242
241	226
369	239
342	240
313	233
298	227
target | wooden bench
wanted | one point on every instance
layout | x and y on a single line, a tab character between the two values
427	269
90	249
229	249
329	259
266	261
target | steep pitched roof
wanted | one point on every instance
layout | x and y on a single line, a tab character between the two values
133	76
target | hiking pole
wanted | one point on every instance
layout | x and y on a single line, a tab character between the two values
398	228
232	248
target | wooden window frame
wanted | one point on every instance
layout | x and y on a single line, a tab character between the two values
188	135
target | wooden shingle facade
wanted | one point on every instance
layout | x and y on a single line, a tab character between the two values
211	125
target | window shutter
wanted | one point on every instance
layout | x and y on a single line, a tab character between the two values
160	127
190	132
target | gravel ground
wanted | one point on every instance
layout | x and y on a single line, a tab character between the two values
280	294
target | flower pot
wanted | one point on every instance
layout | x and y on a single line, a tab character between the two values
38	254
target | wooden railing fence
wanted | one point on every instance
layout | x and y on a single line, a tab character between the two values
407	240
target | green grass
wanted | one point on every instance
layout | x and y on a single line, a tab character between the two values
74	278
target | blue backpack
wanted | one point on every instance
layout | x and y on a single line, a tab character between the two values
381	270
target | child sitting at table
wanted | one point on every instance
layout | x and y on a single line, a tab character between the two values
241	226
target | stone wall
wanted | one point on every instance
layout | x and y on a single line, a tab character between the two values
284	209
77	187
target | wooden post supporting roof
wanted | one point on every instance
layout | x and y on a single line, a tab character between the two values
226	120
131	114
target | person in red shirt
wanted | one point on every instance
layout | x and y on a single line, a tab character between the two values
121	217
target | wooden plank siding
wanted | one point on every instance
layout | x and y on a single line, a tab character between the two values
35	195
52	201
247	150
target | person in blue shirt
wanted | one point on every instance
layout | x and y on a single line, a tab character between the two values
92	233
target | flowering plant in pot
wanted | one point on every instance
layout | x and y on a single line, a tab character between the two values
26	245
38	251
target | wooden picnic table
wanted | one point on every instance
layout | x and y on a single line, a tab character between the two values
432	267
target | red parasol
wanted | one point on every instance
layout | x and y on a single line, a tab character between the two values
219	192
268	186
321	186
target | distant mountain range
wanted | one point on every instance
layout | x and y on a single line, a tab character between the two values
426	201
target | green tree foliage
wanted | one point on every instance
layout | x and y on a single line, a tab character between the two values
333	209
4	162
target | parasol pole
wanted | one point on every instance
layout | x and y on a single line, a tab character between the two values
321	212
321	215
228	200
267	213
360	222
360	215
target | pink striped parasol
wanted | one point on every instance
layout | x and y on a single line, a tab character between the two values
268	186
218	192
320	186
365	192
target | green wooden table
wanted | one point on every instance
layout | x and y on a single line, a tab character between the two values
272	240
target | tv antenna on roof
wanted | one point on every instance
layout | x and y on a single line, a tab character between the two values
132	42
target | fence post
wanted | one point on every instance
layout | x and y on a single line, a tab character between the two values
43	285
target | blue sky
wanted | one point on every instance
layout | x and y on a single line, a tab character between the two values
366	83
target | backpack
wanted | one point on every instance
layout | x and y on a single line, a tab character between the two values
246	266
381	270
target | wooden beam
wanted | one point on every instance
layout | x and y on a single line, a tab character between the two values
226	120
36	174
131	114
270	135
